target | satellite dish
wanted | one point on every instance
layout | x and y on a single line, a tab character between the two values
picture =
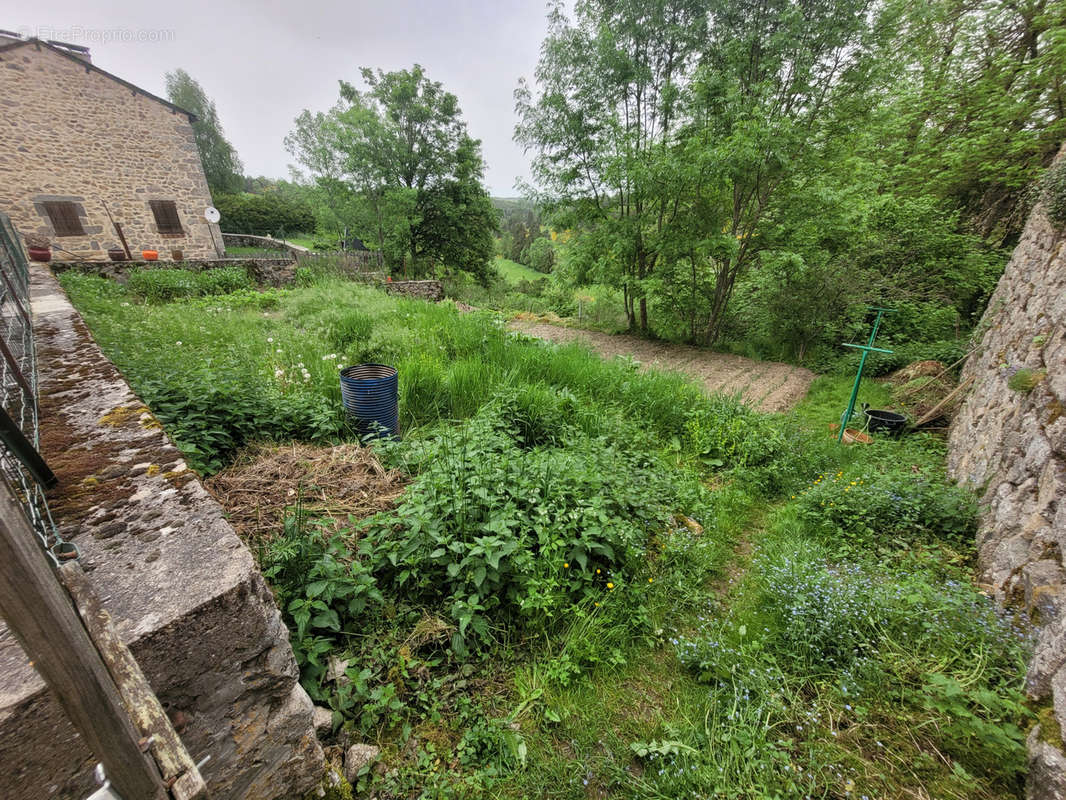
211	214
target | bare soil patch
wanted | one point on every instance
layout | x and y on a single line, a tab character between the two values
335	482
768	386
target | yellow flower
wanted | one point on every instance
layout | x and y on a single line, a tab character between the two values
610	585
649	580
596	604
597	572
565	565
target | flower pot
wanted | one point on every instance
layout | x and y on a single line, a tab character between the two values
150	255
116	254
177	255
42	254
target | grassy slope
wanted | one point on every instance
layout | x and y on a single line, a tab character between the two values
513	272
702	732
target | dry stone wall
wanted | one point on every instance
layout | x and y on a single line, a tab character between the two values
1008	442
69	132
426	290
264	271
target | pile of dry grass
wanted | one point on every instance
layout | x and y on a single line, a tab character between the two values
329	482
924	388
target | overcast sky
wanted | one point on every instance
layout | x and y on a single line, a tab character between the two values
262	63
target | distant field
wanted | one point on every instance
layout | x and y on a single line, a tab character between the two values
513	272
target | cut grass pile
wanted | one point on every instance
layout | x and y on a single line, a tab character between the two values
598	582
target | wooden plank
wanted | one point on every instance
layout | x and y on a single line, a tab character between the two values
935	411
143	706
41	616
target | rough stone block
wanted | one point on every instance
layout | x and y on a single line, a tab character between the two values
184	592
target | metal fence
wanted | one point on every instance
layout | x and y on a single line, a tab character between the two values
21	467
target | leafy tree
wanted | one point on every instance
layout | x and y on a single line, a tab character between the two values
403	149
222	167
541	254
609	98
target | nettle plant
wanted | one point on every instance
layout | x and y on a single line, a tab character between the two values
499	529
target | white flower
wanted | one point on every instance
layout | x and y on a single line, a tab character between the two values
279	372
278	350
178	343
270	339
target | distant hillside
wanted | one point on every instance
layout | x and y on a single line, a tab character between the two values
510	206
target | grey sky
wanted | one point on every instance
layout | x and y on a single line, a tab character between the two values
262	63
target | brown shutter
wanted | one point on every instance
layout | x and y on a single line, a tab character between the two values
64	217
166	216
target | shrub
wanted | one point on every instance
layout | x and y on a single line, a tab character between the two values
164	285
263	214
894	508
501	526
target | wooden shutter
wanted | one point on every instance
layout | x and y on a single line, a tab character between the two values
166	216
64	217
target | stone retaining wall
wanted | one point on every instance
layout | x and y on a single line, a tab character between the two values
264	271
264	243
1008	442
183	590
427	290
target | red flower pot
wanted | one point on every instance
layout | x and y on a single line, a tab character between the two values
42	254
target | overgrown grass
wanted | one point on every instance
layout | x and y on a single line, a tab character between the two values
600	582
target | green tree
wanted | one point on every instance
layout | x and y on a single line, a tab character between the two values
402	147
222	167
541	254
609	96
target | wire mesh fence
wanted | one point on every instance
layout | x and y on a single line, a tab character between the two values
21	466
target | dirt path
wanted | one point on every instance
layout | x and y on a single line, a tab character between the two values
764	385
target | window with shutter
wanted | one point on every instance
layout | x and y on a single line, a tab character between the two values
64	217
166	216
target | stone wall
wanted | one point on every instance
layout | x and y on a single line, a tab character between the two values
183	590
426	290
264	271
263	242
1008	442
72	132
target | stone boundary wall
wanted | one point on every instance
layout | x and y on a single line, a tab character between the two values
263	242
426	290
184	592
1008	442
264	271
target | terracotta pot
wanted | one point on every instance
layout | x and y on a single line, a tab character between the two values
177	255
150	255
42	254
116	254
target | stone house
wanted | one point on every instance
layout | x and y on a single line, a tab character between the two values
78	143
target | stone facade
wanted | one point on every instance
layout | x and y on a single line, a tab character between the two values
1008	442
72	132
184	592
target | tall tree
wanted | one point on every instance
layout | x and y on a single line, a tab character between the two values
222	167
610	86
670	126
403	147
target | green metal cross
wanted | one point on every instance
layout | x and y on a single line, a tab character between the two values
866	350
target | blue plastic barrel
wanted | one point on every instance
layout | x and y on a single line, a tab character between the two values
370	394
